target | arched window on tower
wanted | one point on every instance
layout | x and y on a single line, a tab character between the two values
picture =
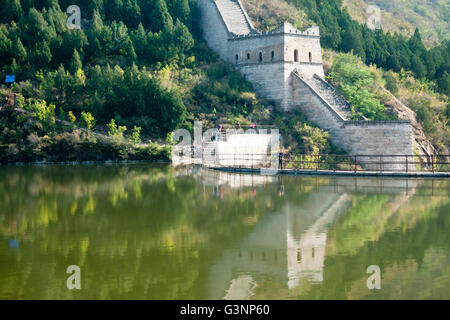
236	59
260	57
310	57
248	56
273	56
296	55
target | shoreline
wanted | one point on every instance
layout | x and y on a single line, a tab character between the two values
74	163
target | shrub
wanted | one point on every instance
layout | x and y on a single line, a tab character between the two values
136	135
87	120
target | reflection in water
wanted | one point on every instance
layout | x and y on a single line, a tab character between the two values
156	232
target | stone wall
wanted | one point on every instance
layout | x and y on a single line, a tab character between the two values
214	29
357	137
267	79
253	45
271	62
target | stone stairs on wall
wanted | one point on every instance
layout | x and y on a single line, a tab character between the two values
234	16
332	96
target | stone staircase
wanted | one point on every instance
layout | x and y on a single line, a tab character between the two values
330	95
234	16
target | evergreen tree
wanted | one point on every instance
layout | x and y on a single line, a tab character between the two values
42	55
353	41
160	17
131	13
38	29
140	40
14	68
429	64
75	63
182	37
97	5
393	62
94	33
20	51
5	44
418	67
114	10
416	44
13	11
183	11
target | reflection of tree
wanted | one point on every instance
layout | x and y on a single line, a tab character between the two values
400	247
149	231
137	231
410	244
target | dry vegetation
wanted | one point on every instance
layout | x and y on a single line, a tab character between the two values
431	16
269	14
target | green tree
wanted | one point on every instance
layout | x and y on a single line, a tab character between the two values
14	68
140	41
353	42
13	11
136	135
418	67
20	51
183	11
5	44
71	117
42	56
75	63
131	13
87	120
114	130
160	17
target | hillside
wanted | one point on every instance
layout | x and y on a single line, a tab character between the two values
267	15
139	69
430	16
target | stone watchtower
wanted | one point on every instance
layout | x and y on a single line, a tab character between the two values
267	59
285	66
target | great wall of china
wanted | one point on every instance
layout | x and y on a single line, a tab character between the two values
285	66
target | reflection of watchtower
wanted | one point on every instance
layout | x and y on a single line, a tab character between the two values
306	256
286	246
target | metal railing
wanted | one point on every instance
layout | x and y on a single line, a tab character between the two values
336	163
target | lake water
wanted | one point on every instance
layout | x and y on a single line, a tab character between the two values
157	232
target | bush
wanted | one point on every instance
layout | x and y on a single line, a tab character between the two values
391	83
354	80
87	120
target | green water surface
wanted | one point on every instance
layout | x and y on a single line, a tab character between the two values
157	232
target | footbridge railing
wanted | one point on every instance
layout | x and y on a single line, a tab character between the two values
336	163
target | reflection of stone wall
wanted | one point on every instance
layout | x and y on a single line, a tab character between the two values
287	246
